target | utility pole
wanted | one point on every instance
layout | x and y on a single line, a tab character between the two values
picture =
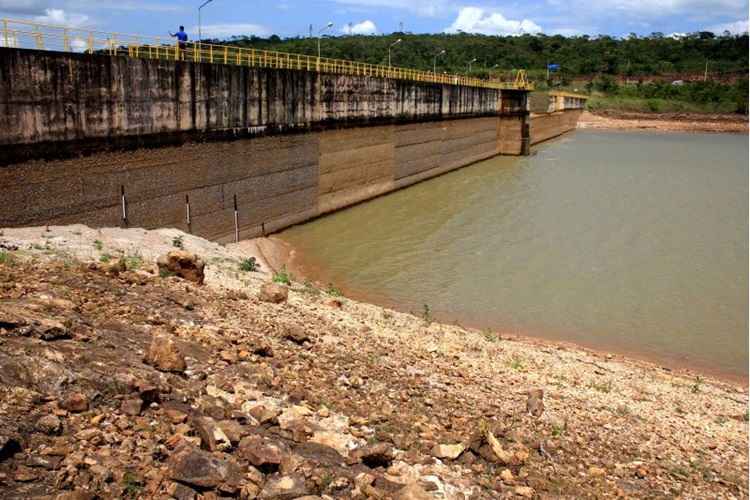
434	60
389	50
705	73
326	27
200	35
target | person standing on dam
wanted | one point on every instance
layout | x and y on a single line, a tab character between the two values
182	37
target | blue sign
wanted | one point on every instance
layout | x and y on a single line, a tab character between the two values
553	67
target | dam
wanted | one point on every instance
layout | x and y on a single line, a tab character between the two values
229	143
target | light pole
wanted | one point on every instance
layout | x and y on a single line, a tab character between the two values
434	60
325	28
200	35
470	63
389	50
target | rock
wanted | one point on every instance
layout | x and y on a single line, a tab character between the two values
284	488
296	334
49	424
597	471
201	469
375	455
49	329
412	491
233	430
449	451
131	406
524	491
336	440
264	414
212	437
274	293
184	264
262	452
164	355
535	403
75	403
24	474
113	267
507	476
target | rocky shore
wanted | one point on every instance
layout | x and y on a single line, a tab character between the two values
667	122
154	364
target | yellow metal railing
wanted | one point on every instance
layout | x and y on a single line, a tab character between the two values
31	35
562	93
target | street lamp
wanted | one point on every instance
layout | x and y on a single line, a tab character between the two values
470	63
325	28
200	35
434	60
389	50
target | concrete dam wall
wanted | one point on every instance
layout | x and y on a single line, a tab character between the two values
545	126
55	104
277	180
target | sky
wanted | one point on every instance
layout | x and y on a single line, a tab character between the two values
224	18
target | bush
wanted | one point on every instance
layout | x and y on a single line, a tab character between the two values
283	276
249	265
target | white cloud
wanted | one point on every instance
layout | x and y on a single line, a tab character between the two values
60	17
232	29
736	27
478	20
425	8
366	27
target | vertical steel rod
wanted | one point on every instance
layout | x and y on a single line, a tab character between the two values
187	211
236	222
124	202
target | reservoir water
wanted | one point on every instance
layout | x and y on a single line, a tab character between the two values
625	241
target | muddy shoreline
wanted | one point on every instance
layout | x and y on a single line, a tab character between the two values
664	122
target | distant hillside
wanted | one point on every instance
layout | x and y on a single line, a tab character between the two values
577	56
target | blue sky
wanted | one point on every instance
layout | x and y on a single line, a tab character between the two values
222	18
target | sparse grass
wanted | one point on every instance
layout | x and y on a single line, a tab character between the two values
131	486
517	363
641	105
283	276
426	314
490	336
332	290
249	265
177	242
6	258
558	430
98	245
165	273
326	480
696	387
605	387
133	262
105	257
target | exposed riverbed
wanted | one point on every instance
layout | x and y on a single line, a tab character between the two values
623	241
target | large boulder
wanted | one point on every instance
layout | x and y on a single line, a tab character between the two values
184	264
164	355
201	469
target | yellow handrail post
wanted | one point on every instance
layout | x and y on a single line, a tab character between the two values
226	55
90	43
5	32
66	41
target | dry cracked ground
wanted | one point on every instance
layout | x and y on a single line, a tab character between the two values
120	381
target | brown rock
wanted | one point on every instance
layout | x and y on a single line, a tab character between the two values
24	474
49	424
524	491
201	469
164	355
264	414
132	406
274	293
296	334
284	488
262	452
212	437
535	403
449	451
233	430
76	403
113	267
412	491
375	455
184	264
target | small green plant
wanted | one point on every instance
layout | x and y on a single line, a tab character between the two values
332	290
249	265
426	314
6	258
131	486
696	387
605	387
165	273
559	429
98	245
105	257
516	362
490	336
177	242
283	276
326	480
133	262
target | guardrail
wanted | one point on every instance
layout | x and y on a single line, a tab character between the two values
31	35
